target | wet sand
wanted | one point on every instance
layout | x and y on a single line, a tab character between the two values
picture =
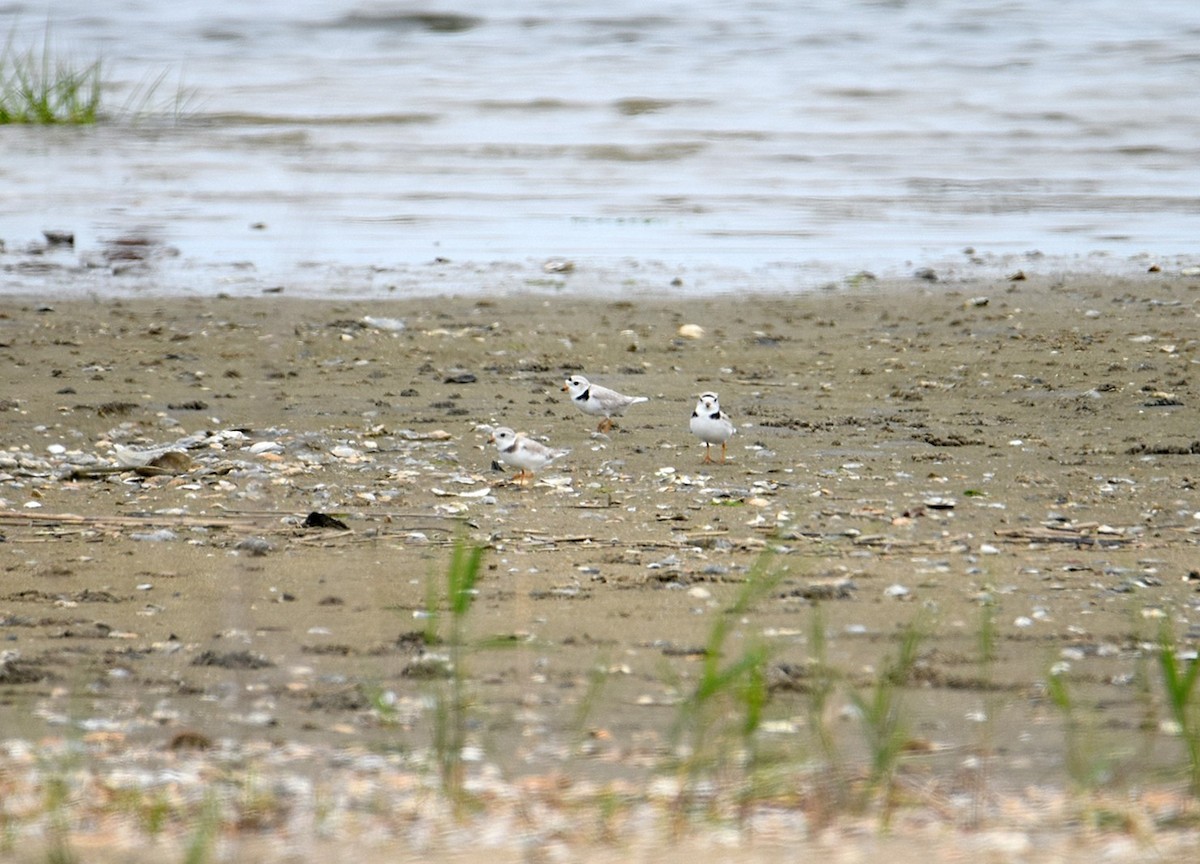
909	454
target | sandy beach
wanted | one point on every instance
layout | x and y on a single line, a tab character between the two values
1003	457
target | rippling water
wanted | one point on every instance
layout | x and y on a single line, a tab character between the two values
776	144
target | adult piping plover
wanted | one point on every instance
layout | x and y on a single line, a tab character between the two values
599	401
711	425
523	453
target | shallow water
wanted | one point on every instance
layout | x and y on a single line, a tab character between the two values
344	146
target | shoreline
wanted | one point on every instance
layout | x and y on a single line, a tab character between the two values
142	266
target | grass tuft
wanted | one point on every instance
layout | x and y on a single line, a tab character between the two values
824	680
200	847
882	715
717	723
451	702
1179	682
39	88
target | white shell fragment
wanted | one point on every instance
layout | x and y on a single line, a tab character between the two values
394	325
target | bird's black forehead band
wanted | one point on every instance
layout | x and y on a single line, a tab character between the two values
708	395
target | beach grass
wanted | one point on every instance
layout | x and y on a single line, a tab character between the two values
44	86
716	752
1179	677
722	769
451	699
823	679
881	711
717	722
40	87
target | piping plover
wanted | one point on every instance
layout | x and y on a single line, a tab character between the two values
599	401
711	425
523	453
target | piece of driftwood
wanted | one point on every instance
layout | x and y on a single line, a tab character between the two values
95	472
1060	535
14	517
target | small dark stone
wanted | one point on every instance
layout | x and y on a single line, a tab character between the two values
59	238
189	740
320	520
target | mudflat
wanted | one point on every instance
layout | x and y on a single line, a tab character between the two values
227	524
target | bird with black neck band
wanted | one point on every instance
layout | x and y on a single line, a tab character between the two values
711	425
599	401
